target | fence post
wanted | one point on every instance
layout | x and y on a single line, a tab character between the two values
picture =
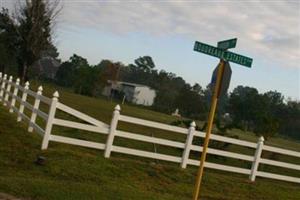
1	82
49	124
9	83
13	98
3	87
24	97
257	158
35	108
0	79
188	144
112	131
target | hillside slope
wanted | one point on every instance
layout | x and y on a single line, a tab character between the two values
73	172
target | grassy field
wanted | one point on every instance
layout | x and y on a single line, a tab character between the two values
73	172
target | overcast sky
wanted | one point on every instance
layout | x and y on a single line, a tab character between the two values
267	31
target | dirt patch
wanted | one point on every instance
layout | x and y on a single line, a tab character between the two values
4	196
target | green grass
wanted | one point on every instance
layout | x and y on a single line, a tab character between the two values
72	172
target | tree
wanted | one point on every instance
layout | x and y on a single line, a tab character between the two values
290	120
266	126
145	63
31	29
83	78
260	113
65	75
198	89
142	72
244	106
8	41
190	101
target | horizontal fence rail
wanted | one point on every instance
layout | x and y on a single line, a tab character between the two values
152	124
281	151
13	94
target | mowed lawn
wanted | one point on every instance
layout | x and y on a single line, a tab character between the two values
73	172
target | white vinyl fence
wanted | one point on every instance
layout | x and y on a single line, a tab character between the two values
11	91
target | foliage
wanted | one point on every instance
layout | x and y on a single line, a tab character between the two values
8	41
172	92
145	63
84	78
28	32
265	114
289	121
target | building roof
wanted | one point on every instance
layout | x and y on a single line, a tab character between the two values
129	84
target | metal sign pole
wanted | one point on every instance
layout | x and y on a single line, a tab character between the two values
209	128
221	86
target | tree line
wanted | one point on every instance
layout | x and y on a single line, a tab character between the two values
265	114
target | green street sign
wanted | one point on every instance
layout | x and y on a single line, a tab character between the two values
208	49
238	59
223	54
220	82
227	44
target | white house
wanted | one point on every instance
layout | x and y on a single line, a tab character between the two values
134	93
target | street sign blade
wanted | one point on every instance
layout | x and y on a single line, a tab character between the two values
238	59
223	54
227	44
208	49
